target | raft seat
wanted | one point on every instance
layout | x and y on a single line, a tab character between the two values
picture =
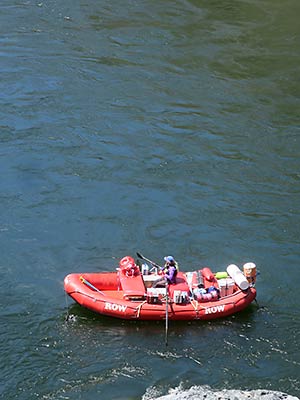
181	284
133	286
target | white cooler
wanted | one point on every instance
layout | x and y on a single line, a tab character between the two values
226	286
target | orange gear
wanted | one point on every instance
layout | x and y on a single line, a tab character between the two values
128	266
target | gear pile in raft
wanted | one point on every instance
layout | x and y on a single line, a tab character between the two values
128	292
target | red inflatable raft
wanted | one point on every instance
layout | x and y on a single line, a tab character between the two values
197	295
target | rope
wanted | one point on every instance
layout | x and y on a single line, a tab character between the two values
138	308
195	307
68	315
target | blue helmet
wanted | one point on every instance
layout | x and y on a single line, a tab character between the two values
169	259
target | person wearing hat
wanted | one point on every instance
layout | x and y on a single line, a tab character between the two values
170	271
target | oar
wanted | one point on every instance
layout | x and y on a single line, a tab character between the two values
167	315
83	280
167	298
147	259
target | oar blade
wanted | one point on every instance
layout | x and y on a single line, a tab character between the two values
147	259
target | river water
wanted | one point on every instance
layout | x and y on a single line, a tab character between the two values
158	127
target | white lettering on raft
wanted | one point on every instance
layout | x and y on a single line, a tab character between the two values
115	307
213	310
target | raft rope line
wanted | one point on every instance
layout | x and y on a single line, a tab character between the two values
195	306
84	294
163	300
198	307
139	307
194	303
68	314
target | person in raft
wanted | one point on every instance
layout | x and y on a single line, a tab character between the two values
170	270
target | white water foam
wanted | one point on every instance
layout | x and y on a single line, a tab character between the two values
206	393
